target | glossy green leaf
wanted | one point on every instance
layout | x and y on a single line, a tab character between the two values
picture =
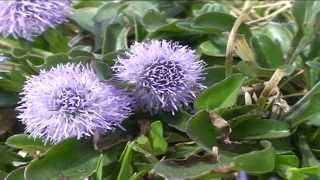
252	162
268	51
210	49
25	142
214	74
159	143
259	129
220	95
279	34
57	41
178	121
140	8
191	168
114	38
107	12
71	158
84	17
306	113
8	156
55	59
125	168
153	21
222	23
308	159
201	130
305	12
199	8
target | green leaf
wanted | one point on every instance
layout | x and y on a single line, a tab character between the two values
70	158
219	22
84	17
27	143
109	140
153	21
259	129
286	163
54	60
126	170
200	8
191	168
114	38
307	15
287	159
236	111
100	168
308	112
279	33
178	121
268	51
210	49
214	74
159	143
56	40
17	174
8	156
140	8
201	130
262	161
108	27
308	158
220	95
108	12
305	12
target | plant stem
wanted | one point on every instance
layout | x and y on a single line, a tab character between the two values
6	45
232	37
305	98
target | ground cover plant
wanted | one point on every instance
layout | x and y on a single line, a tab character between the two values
159	89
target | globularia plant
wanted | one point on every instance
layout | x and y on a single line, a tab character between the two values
167	76
159	89
70	101
29	18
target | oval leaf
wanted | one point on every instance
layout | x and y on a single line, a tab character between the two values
220	95
201	130
71	158
256	161
254	128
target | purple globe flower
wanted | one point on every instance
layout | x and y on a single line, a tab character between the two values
29	18
70	101
167	76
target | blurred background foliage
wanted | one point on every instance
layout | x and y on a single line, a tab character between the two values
260	113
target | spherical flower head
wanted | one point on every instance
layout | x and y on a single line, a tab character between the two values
29	18
167	76
70	101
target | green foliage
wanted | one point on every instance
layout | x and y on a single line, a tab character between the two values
254	120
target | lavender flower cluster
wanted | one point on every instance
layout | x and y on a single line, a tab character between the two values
29	18
71	101
166	75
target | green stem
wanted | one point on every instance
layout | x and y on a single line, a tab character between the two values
232	38
305	98
6	45
292	52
